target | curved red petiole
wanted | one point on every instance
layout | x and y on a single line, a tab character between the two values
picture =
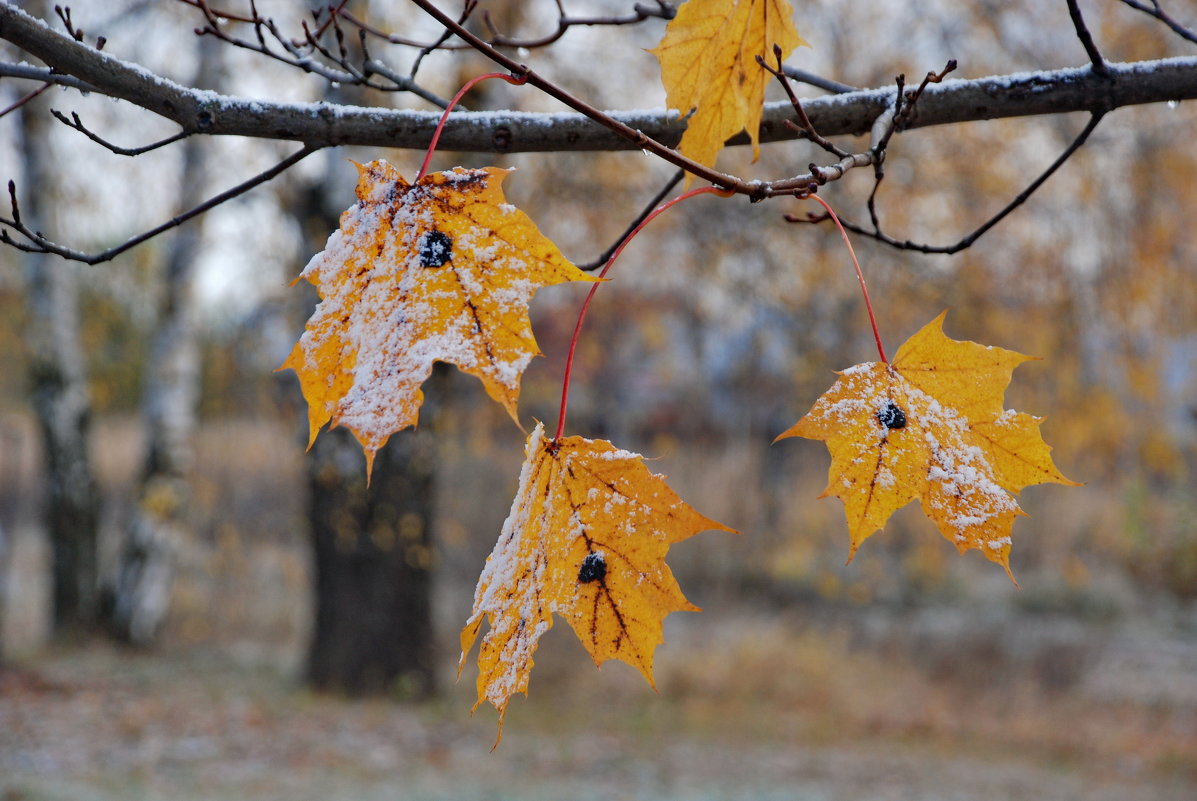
573	342
436	135
864	289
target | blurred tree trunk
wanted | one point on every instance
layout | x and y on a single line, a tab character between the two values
372	547
58	384
159	530
4	551
373	554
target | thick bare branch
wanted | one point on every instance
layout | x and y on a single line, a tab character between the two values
955	101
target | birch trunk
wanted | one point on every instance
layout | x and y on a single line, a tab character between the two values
159	533
60	395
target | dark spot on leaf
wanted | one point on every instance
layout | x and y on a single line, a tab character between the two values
594	568
436	249
891	416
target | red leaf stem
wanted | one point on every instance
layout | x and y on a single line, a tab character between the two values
436	135
573	342
864	289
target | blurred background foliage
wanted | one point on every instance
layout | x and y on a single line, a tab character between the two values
721	326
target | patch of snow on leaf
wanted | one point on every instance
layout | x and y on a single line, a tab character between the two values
502	575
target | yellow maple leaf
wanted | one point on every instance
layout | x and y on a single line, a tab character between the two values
930	425
586	539
442	270
708	63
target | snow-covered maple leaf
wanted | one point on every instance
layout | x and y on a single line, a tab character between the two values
440	270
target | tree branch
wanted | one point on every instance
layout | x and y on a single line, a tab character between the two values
77	124
967	241
44	75
25	99
36	242
1155	11
1082	33
658	198
852	113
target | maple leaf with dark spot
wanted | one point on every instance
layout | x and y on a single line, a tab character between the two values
440	270
586	539
930	425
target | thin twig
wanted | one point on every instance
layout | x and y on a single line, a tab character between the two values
1162	16
78	125
466	9
968	240
906	100
25	99
818	81
38	243
1082	33
640	218
641	13
332	16
804	124
306	53
905	103
564	23
64	14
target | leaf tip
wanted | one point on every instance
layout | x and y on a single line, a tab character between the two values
499	733
370	452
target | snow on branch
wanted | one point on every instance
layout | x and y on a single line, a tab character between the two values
328	124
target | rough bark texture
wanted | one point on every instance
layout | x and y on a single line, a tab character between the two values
159	530
60	396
